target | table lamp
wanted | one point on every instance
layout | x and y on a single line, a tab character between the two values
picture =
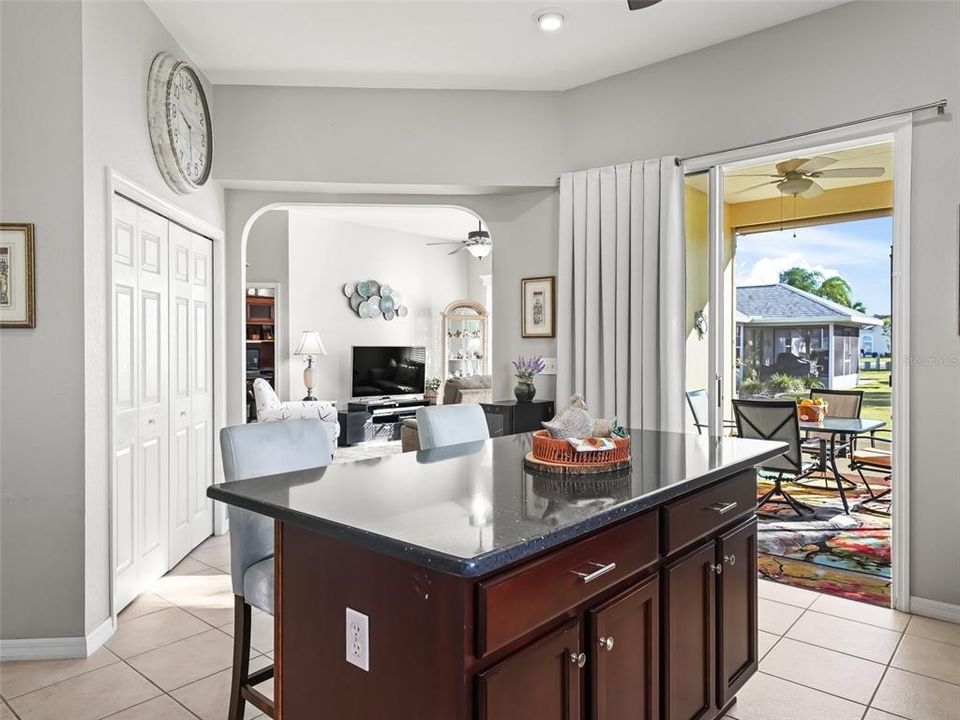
310	345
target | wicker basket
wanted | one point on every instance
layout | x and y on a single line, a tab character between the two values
561	452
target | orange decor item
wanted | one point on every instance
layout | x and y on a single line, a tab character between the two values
560	451
812	410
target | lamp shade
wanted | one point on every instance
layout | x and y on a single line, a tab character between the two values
310	344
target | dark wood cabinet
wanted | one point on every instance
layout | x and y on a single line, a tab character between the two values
541	681
625	655
650	618
689	635
509	417
736	610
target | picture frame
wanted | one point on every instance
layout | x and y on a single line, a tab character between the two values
538	307
17	276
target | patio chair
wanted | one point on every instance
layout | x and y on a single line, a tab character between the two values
698	401
842	404
776	420
876	454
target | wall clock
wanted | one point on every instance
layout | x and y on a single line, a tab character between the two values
179	123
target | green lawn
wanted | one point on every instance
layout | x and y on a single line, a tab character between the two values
876	395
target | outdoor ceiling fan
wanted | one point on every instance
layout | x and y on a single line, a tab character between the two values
477	243
796	176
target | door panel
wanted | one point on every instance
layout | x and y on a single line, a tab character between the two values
737	610
201	395
183	449
689	636
540	681
625	662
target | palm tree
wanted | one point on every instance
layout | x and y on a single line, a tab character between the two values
835	288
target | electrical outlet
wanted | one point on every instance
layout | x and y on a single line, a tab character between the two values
358	639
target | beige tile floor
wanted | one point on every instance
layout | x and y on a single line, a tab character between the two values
821	657
170	658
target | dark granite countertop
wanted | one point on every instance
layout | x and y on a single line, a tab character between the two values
472	509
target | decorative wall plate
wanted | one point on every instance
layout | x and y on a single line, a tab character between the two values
371	299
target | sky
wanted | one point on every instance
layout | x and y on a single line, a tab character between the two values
858	251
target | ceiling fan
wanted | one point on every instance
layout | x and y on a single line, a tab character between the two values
477	243
641	4
797	176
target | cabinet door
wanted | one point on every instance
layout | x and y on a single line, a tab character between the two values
541	681
689	628
737	610
625	655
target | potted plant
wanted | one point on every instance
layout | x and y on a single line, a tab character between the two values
431	386
526	369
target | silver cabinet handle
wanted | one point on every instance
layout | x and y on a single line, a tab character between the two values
722	508
578	659
601	569
718	568
732	559
607	642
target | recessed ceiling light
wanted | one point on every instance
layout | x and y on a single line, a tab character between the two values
549	19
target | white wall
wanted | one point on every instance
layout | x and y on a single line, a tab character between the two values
397	137
325	254
859	59
41	382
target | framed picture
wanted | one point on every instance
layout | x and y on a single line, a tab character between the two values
16	276
539	307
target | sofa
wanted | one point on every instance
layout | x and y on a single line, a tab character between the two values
271	409
456	391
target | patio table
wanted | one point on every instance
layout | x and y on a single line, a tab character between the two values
834	427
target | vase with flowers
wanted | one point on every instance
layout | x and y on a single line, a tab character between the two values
431	387
525	370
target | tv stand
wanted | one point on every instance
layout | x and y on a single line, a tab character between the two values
376	418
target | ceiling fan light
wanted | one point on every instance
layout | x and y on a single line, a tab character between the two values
479	251
794	186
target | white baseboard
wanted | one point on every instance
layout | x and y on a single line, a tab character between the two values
57	648
935	609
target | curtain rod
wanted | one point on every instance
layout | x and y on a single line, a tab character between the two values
940	105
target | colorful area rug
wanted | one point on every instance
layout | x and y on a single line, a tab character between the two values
831	552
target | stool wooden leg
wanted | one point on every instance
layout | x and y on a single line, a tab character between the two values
241	656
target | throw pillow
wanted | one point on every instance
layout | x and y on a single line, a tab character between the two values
603	427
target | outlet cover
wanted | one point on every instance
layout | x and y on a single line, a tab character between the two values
358	639
549	366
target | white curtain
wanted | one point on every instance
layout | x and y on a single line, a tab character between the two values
621	293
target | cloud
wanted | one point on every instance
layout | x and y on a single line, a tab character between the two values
766	271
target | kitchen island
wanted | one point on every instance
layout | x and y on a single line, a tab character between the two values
488	592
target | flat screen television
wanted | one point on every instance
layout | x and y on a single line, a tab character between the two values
380	370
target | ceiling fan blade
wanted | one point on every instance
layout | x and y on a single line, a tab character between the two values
454	252
641	4
850	172
814	191
754	187
814	164
790	165
739	175
448	242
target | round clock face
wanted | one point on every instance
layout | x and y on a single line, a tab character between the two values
179	121
189	125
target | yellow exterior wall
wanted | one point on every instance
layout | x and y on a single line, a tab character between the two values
856	198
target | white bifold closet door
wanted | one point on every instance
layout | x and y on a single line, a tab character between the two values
152	470
191	396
